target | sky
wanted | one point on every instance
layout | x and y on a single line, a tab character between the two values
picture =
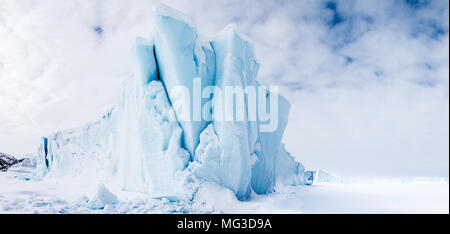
368	80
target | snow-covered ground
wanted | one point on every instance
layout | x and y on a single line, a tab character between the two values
19	193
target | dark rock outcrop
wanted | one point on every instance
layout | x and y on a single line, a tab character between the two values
6	161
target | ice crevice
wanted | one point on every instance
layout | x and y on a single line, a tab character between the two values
145	144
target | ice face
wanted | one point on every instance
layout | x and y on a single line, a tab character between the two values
74	151
289	171
146	58
148	140
146	144
137	146
225	161
228	161
240	141
181	58
265	169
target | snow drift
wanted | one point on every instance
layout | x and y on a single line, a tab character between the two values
145	143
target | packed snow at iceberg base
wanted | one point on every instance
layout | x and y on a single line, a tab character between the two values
191	114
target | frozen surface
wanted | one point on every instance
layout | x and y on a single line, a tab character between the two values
18	194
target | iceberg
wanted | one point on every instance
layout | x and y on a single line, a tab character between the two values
325	177
171	129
